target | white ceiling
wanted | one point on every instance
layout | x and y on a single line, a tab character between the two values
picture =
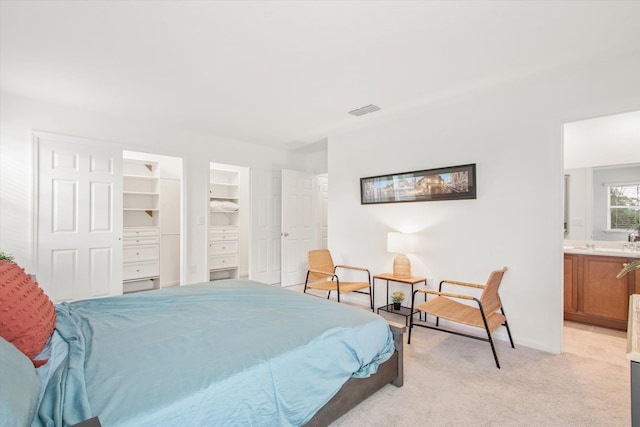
287	73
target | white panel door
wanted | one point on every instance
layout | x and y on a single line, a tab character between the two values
170	232
323	212
265	228
299	195
79	217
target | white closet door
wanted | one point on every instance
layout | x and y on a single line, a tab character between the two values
170	232
323	212
265	226
299	198
79	217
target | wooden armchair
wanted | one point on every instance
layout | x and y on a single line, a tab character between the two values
489	313
323	275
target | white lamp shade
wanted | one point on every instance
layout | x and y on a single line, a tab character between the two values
399	243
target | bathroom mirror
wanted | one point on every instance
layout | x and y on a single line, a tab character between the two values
601	159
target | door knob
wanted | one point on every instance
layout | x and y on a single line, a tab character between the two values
285	234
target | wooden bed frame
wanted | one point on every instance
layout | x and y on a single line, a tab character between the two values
357	390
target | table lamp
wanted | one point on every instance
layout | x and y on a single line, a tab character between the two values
400	244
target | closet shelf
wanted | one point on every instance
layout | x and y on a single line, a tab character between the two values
224	197
139	176
225	184
143	193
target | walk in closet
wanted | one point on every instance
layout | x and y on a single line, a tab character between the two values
228	222
151	221
141	222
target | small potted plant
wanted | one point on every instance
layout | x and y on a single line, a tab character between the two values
398	297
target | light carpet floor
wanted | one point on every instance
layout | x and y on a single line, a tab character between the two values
452	381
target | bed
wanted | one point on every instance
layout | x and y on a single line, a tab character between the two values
230	352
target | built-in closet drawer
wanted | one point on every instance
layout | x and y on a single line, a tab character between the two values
144	240
141	253
223	237
137	270
141	236
223	261
216	248
222	229
140	231
224	233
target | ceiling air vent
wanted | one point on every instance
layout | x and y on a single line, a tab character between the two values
364	110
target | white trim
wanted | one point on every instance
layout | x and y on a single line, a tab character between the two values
35	204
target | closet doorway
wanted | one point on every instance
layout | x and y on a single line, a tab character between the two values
152	220
228	221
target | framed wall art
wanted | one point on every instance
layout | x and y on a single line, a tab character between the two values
450	183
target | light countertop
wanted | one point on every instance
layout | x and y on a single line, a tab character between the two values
617	249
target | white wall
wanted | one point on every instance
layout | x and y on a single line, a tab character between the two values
580	193
19	116
514	135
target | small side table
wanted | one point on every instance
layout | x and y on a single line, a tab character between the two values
389	277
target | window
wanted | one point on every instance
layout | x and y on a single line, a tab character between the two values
624	206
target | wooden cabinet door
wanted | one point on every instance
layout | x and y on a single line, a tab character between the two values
603	295
570	283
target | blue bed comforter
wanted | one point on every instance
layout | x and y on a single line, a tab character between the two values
221	353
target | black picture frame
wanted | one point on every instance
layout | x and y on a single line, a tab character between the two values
449	183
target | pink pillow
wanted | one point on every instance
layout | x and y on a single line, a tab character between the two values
27	315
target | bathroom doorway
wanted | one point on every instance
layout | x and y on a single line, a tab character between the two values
600	154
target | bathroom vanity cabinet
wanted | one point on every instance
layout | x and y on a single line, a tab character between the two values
593	295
